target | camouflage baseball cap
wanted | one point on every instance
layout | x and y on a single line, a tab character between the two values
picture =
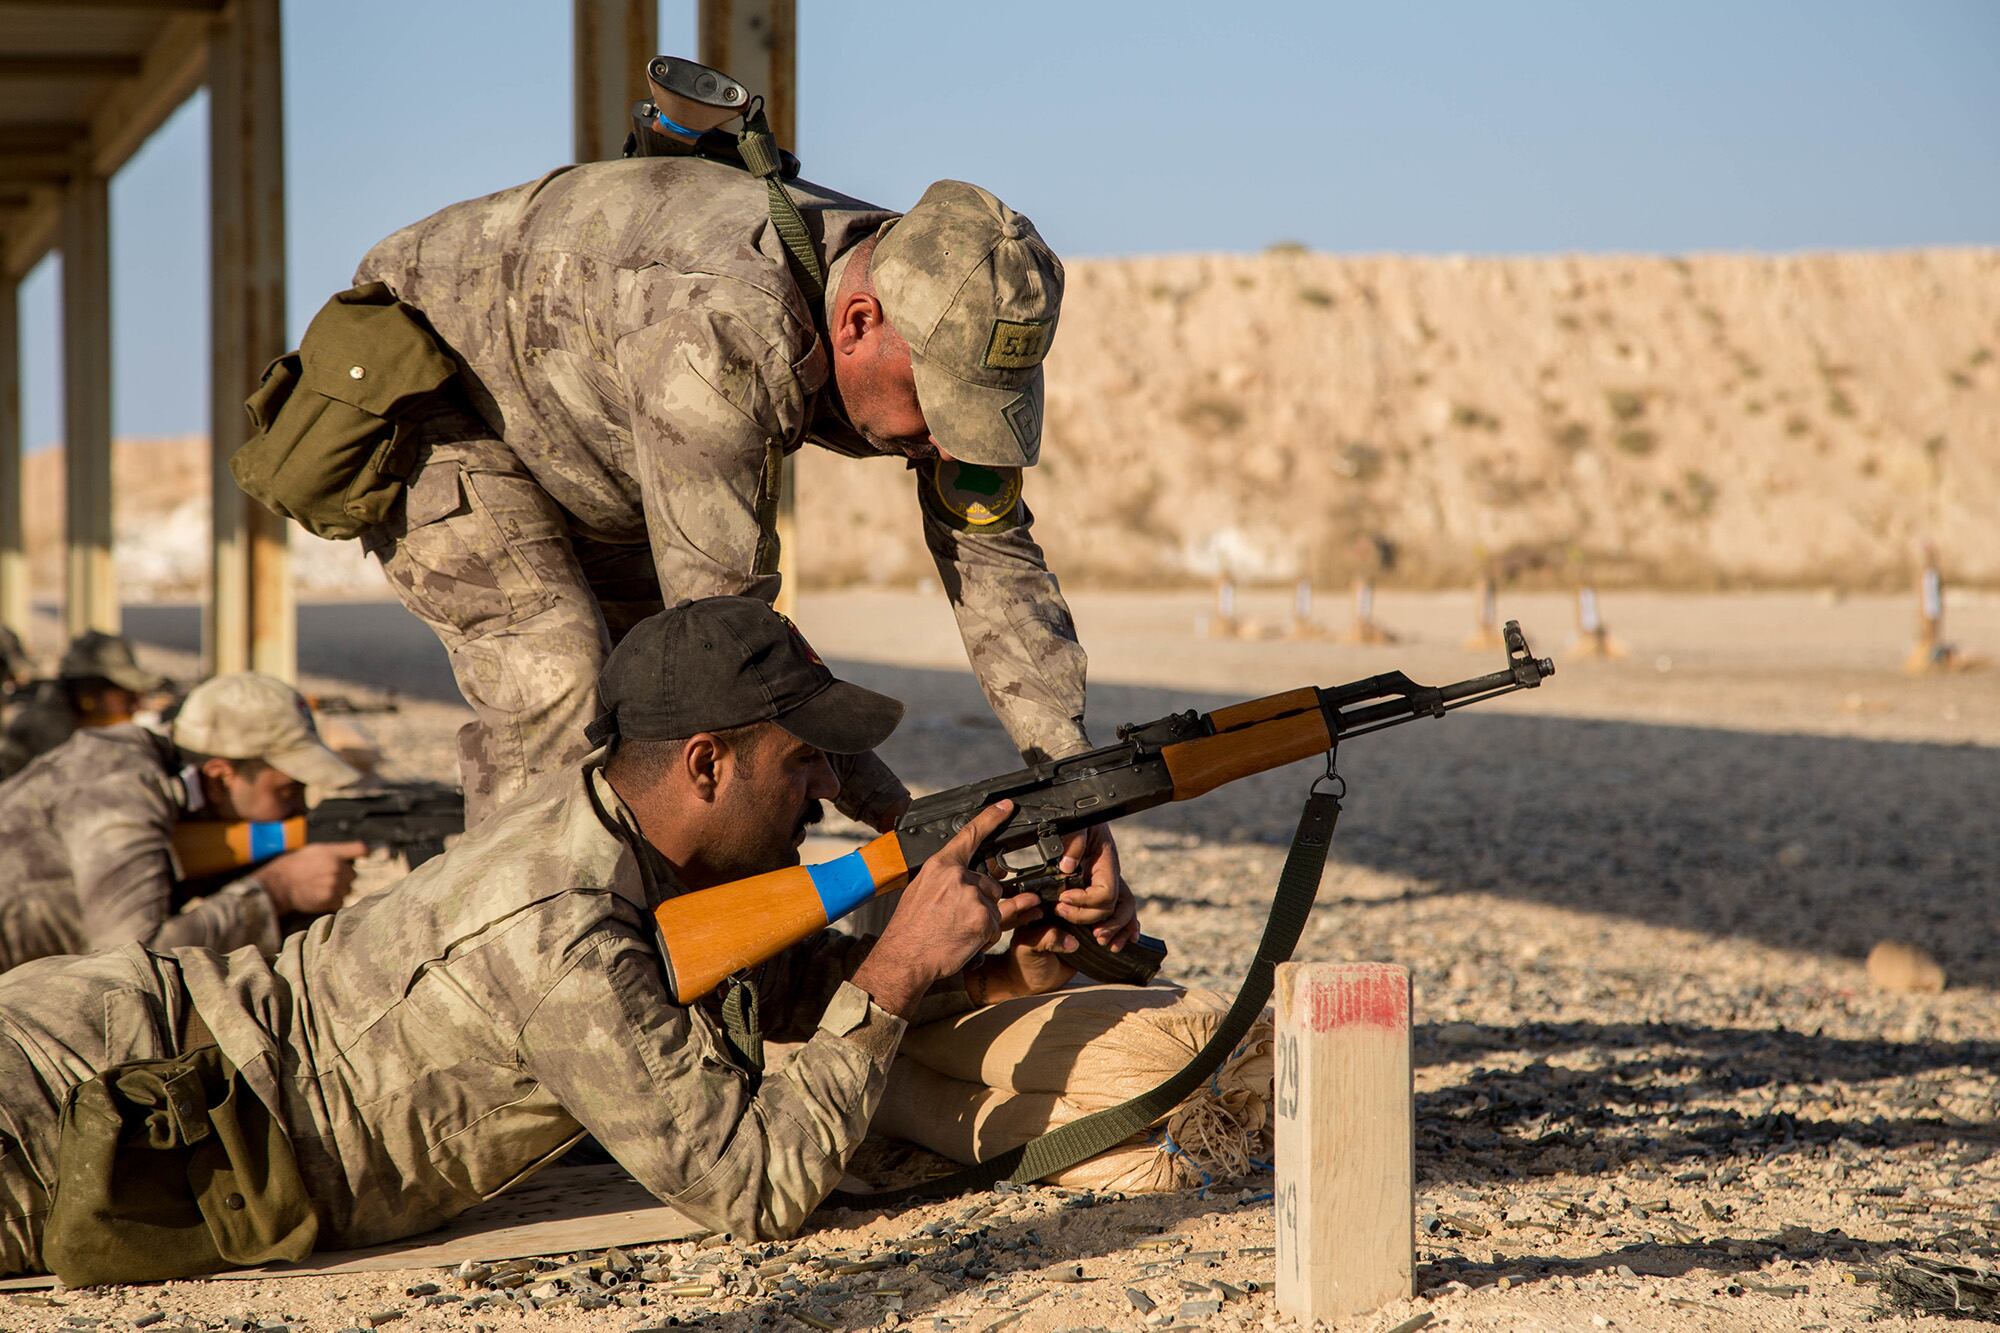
244	715
975	291
99	656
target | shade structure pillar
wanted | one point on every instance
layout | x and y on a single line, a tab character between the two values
613	40
14	602
90	589
756	43
251	623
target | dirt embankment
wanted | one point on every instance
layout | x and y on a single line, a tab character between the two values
1716	421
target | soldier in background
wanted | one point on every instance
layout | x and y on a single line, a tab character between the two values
628	353
99	683
16	667
86	830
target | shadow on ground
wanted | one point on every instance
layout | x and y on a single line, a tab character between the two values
1602	1097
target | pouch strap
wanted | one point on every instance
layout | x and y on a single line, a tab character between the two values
741	1025
770	491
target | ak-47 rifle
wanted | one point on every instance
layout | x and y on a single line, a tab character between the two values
712	933
409	818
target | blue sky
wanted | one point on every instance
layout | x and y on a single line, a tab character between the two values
1124	127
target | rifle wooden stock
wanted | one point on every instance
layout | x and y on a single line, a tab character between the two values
211	846
1250	737
708	935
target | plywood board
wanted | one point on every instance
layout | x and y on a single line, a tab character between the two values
560	1211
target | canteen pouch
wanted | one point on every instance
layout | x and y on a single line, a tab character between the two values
330	449
171	1169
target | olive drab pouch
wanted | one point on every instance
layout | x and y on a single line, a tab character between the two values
169	1169
330	449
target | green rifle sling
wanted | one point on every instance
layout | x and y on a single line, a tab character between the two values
1060	1149
759	151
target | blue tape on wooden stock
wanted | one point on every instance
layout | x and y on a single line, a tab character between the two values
266	840
843	884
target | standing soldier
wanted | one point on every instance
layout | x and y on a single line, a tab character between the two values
552	409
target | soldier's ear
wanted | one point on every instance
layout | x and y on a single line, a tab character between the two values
858	316
700	764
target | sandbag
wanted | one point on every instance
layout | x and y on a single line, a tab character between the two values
978	1084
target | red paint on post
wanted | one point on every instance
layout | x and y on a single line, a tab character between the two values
1372	995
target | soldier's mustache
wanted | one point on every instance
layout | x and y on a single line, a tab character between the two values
812	814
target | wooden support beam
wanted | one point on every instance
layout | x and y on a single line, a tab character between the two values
90	591
613	41
36	168
68	65
148	89
756	42
1346	1175
13	504
141	6
169	73
251	621
54	136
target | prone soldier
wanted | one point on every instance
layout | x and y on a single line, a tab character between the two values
88	827
550	410
423	1050
98	683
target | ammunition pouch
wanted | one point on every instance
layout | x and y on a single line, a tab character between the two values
331	450
171	1169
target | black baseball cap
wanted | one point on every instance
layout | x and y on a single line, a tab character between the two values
726	662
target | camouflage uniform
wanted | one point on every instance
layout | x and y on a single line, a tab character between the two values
44	719
88	830
632	345
513	1000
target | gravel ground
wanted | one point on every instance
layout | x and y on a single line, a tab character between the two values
1655	1087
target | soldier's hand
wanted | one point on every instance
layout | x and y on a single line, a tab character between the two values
315	878
1104	903
948	915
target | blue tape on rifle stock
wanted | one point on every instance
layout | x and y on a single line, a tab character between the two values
843	884
266	841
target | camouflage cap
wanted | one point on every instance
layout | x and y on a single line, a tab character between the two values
975	291
244	715
99	656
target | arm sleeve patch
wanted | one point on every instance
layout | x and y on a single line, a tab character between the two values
967	497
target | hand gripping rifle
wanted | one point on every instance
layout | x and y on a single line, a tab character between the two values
710	934
411	819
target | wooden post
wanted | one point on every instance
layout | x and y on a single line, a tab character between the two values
613	40
251	623
1486	599
1593	638
1346	1165
90	590
1365	629
755	42
1224	625
14	601
1931	652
